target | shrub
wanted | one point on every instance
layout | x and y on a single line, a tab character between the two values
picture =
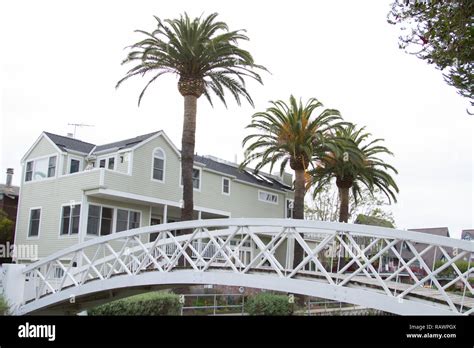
449	271
4	308
153	303
269	304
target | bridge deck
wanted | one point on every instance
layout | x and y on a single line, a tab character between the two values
428	293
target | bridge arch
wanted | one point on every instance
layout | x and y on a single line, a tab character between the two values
216	252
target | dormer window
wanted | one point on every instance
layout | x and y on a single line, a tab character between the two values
108	163
158	167
74	167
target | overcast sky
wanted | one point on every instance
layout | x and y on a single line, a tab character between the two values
61	59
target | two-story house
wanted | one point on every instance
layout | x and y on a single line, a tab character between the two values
73	190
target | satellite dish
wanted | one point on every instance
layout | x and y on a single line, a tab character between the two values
241	289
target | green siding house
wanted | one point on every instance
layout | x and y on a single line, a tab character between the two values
72	190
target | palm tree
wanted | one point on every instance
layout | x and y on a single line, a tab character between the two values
205	56
288	133
352	161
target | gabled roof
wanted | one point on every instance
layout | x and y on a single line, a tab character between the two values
430	255
125	144
233	170
67	143
439	231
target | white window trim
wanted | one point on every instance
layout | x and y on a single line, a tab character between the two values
270	193
34	165
28	237
81	164
222	187
153	163
128	218
72	203
114	217
100	219
106	157
200	178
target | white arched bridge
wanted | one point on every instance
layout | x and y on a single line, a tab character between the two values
381	268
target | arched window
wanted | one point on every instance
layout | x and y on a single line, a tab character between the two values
158	170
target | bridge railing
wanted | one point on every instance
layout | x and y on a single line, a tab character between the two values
400	264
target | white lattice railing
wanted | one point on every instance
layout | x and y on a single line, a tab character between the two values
343	255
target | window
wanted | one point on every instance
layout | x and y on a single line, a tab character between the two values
196	179
99	221
29	171
289	208
159	165
127	220
52	167
108	163
74	166
267	197
35	218
226	186
106	221
122	220
40	169
134	221
58	272
70	219
153	222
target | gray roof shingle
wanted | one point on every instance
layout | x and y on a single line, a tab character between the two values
439	231
124	144
66	143
265	180
233	170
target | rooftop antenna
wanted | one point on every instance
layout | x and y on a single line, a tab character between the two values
79	125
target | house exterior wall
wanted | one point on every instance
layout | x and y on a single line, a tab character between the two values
42	148
50	196
133	176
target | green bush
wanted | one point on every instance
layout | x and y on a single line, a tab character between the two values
449	271
269	304
153	303
4	308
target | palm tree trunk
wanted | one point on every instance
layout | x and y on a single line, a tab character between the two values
187	155
344	206
343	217
298	211
187	163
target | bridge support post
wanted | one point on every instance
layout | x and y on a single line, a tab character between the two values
290	251
12	284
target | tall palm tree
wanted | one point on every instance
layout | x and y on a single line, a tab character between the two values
288	133
352	161
205	56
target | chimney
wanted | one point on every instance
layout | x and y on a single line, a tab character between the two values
9	177
70	135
